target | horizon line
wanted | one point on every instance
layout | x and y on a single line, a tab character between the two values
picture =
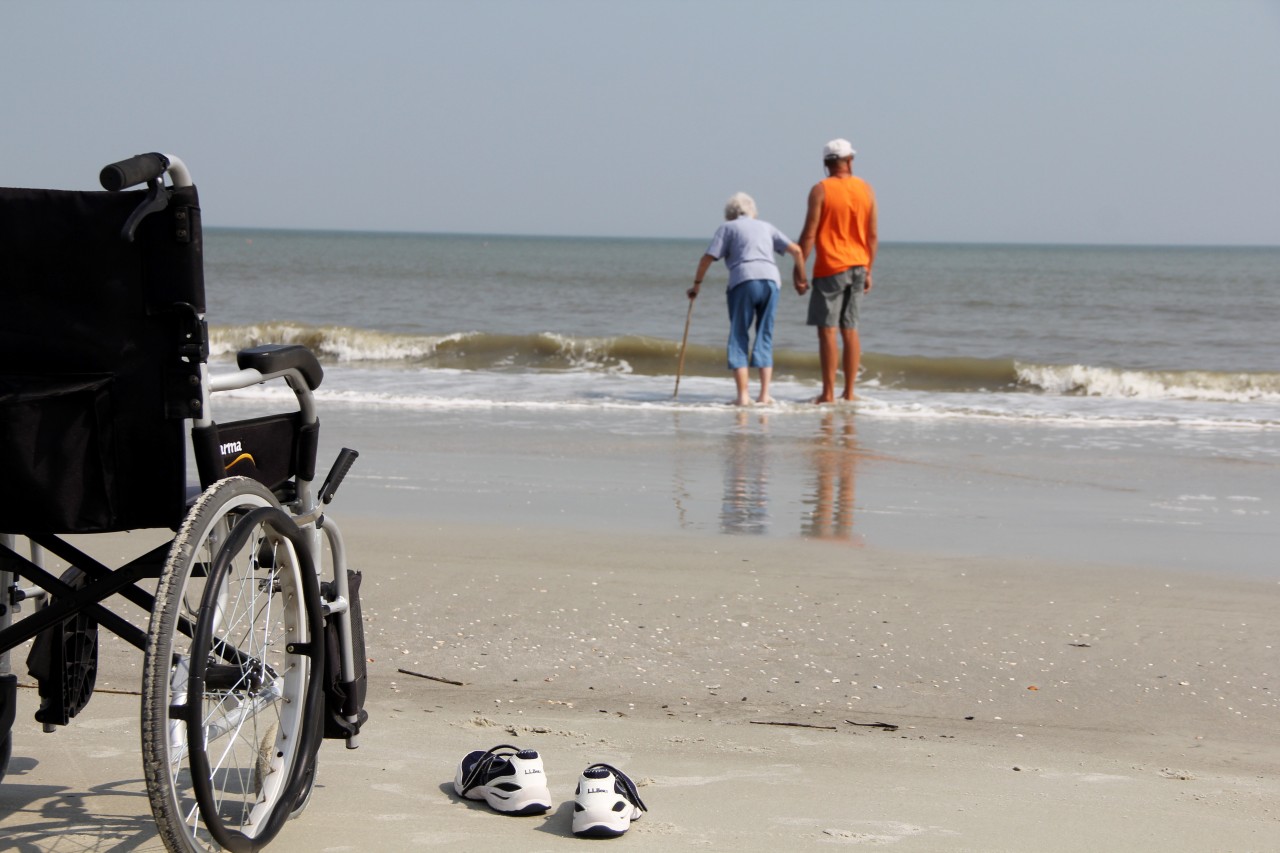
914	242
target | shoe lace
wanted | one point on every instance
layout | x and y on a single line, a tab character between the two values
624	781
481	770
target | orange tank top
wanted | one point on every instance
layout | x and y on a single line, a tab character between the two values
844	226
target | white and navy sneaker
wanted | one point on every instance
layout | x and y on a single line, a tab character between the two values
511	780
606	803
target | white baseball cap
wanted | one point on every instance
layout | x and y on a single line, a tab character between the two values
837	149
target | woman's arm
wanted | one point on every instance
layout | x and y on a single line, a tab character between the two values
703	266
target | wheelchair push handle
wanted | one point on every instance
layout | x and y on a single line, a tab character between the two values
139	169
143	169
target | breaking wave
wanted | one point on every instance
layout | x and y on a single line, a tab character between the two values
646	356
1203	385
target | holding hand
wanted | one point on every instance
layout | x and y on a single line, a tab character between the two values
798	278
799	281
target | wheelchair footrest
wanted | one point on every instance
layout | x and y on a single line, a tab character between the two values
344	699
64	662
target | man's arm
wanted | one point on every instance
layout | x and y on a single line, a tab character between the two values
797	271
873	242
809	234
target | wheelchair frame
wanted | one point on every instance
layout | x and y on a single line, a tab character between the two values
250	658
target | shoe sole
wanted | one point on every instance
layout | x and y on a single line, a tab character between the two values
602	823
599	831
508	803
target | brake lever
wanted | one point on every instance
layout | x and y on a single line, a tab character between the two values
157	200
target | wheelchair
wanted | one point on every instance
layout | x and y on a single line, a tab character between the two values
252	655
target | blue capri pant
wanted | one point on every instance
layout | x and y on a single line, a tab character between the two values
752	301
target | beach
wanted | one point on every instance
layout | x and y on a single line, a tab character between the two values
924	669
1020	593
1020	596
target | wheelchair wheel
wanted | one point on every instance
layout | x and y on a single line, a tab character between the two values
228	683
309	773
8	706
6	750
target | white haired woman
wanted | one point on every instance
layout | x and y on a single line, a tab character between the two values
747	245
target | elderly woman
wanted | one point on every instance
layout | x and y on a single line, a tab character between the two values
748	245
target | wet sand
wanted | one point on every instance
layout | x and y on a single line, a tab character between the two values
792	628
1153	496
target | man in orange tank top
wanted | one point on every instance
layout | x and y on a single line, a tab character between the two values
841	225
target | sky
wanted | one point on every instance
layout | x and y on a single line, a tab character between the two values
991	121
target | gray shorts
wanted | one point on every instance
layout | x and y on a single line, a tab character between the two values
834	299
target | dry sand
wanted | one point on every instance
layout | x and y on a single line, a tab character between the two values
1036	707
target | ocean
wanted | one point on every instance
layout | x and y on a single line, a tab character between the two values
1134	385
1093	334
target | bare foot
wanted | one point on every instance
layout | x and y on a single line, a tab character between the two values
766	401
823	398
742	401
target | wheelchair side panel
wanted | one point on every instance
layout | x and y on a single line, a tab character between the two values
269	449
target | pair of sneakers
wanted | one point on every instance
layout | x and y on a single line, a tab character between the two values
512	781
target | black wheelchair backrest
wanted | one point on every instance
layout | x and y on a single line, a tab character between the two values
101	344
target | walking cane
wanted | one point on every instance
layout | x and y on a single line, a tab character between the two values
684	343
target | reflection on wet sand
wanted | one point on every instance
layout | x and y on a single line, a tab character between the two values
834	458
745	508
811	476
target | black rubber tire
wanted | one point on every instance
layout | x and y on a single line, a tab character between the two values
250	661
6	750
273	687
312	771
8	712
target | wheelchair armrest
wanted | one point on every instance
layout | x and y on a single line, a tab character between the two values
274	358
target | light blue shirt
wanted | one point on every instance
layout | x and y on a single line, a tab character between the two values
747	246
